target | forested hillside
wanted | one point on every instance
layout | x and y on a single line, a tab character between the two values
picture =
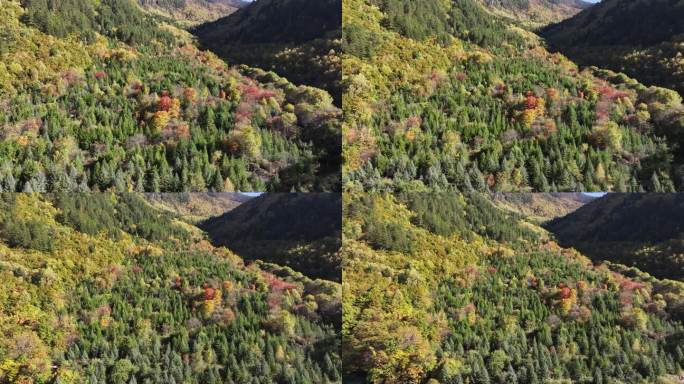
642	38
104	288
448	288
101	95
298	39
302	231
443	94
641	230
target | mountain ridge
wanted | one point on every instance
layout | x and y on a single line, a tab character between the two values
302	231
289	37
641	230
641	38
155	98
447	94
539	11
193	12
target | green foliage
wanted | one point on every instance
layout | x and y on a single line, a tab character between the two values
516	309
472	23
97	132
191	12
119	100
122	20
89	215
489	109
128	295
543	11
153	327
27	234
415	19
518	326
19	231
109	213
444	215
359	41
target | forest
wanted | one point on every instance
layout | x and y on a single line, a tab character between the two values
103	96
453	288
448	95
106	288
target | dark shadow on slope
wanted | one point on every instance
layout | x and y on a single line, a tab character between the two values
297	39
302	231
638	37
644	230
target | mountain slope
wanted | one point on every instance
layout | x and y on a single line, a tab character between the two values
106	288
539	11
490	301
301	231
98	96
193	11
447	94
641	230
298	39
640	38
541	206
196	207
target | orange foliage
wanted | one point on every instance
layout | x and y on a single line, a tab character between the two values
565	293
189	94
23	141
174	109
552	94
567	299
227	316
183	131
164	103
209	293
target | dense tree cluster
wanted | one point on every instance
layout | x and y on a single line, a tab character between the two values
153	115
202	325
489	109
543	11
120	19
18	231
489	298
112	214
127	293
